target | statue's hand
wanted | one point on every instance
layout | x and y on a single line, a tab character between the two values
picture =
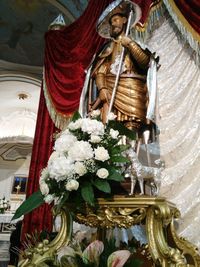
104	95
125	40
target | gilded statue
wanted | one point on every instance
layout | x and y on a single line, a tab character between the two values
118	79
132	97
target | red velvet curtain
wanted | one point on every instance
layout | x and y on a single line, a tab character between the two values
191	11
41	218
68	52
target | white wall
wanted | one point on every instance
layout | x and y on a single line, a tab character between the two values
7	171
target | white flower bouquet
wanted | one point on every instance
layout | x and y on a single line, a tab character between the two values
4	205
87	157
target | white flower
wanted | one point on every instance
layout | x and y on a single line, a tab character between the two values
95	139
64	142
90	165
80	151
1	206
75	125
65	132
5	205
80	168
44	175
72	185
95	113
92	127
101	153
114	134
44	188
111	116
60	168
49	198
102	173
54	155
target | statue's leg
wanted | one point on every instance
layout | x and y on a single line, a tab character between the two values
141	184
146	138
133	183
138	144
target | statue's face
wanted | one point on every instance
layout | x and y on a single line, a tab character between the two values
117	23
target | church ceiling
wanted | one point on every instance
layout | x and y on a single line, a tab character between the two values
23	25
14	151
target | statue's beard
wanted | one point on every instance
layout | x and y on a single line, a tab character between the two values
116	31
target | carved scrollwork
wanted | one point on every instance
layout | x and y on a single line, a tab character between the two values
165	213
164	245
109	217
46	251
189	250
167	249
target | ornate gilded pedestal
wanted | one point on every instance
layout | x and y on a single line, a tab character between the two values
166	248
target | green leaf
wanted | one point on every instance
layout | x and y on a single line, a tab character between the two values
31	203
102	185
119	149
115	175
76	116
62	201
134	262
88	193
120	159
122	129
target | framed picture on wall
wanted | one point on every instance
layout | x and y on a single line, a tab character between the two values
19	185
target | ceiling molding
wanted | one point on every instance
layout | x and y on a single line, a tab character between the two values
20	77
14	152
10	66
16	139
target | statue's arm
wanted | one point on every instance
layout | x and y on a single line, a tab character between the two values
141	56
100	79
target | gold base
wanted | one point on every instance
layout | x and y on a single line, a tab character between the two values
166	248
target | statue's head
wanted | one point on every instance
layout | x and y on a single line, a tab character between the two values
114	18
117	24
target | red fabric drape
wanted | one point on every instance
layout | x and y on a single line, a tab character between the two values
68	52
41	218
145	6
191	11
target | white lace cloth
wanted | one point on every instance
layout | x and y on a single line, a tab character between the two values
179	123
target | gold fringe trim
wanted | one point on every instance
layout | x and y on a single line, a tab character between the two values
181	18
60	120
154	14
188	32
141	31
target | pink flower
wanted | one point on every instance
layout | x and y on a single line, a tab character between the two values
118	258
93	252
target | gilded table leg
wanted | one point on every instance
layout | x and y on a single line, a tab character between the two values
189	250
164	253
47	251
